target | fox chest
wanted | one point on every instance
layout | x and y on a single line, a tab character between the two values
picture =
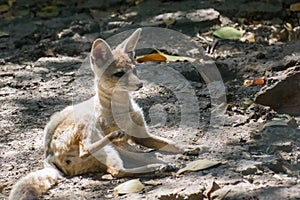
128	122
107	125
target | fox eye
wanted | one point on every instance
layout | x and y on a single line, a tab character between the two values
119	74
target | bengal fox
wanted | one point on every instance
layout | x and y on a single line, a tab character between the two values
91	136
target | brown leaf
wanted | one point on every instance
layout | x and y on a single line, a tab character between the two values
154	57
162	57
258	81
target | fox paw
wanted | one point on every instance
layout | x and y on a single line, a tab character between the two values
163	168
118	134
194	150
170	167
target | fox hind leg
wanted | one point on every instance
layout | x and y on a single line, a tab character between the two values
149	169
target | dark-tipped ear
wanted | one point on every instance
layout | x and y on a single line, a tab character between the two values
101	54
129	44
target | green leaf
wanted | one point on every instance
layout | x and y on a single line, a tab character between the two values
198	165
228	33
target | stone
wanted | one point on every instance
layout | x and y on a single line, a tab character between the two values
284	92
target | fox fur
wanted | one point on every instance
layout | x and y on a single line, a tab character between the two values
91	136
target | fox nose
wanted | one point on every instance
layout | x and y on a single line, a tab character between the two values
139	85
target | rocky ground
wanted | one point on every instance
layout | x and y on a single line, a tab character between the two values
43	68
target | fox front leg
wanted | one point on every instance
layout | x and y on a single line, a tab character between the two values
140	135
96	146
162	144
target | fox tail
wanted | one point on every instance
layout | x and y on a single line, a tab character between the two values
34	184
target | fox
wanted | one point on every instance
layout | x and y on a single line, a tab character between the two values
99	134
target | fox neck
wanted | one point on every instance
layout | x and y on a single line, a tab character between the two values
114	102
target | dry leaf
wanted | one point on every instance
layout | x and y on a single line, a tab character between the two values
214	187
48	11
153	182
198	165
127	187
229	106
250	37
11	2
46	15
169	21
101	14
3	34
288	26
248	83
162	57
48	8
4	8
154	57
177	58
258	81
295	7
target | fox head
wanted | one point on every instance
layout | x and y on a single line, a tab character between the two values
114	69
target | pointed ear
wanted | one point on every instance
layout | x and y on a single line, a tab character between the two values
101	55
129	44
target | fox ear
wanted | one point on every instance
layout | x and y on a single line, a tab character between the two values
129	44
101	54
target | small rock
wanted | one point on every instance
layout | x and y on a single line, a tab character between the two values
190	192
2	61
107	177
247	167
203	15
41	70
28	67
180	196
260	55
2	186
283	96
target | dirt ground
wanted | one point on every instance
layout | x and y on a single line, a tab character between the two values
43	68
